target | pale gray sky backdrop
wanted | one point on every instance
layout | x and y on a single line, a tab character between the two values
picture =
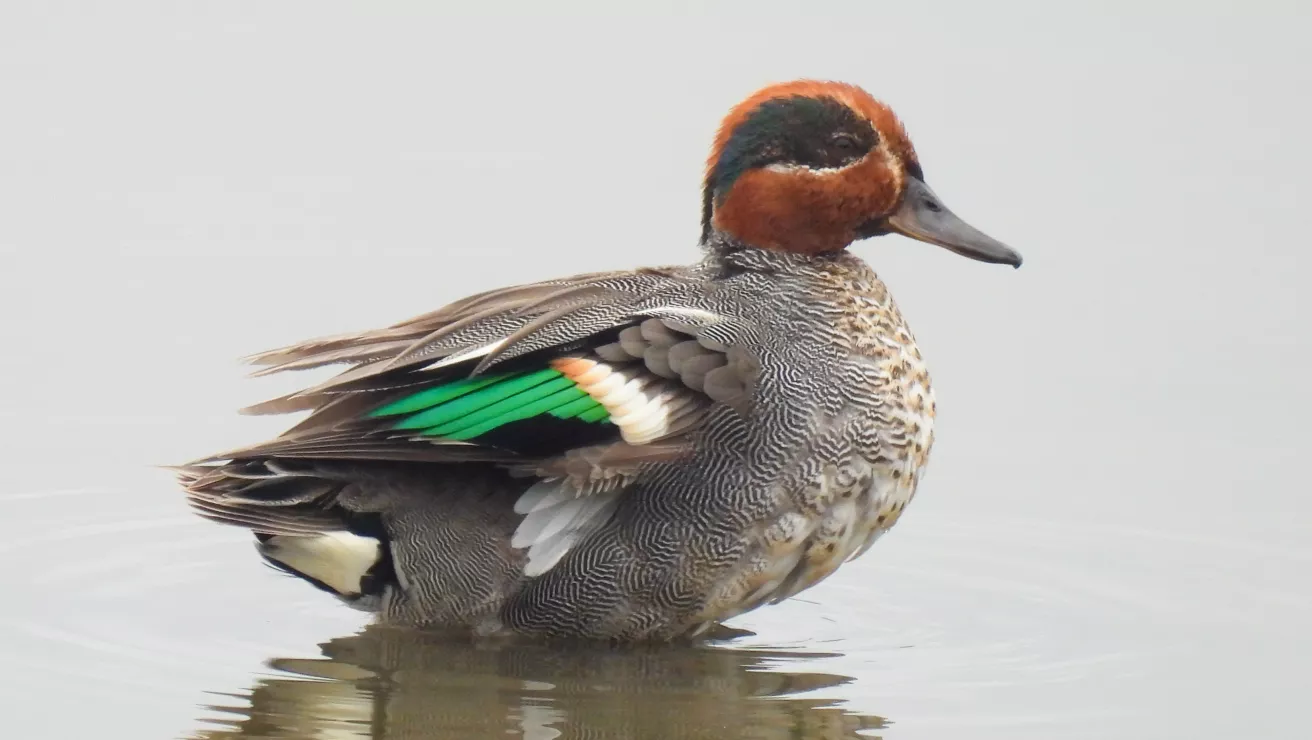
183	183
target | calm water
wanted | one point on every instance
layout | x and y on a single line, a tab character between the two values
1113	538
137	621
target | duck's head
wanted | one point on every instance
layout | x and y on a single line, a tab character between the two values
810	167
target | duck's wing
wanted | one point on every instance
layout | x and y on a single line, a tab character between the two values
529	371
576	383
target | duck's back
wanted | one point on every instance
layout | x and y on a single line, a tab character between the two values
720	438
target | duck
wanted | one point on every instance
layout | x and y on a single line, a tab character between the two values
626	456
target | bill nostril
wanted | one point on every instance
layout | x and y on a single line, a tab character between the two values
932	205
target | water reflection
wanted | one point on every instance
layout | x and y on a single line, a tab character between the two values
387	683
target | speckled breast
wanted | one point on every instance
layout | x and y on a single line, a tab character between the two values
863	463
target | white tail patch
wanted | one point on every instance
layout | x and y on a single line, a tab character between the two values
339	560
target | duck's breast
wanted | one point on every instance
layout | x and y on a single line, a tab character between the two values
864	458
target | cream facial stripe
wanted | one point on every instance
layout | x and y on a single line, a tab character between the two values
786	167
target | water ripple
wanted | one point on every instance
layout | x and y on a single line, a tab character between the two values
1000	626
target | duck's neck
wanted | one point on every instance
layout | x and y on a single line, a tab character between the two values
726	253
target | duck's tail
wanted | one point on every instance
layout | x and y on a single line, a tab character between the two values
299	524
418	544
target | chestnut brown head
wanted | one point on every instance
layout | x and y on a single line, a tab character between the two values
810	167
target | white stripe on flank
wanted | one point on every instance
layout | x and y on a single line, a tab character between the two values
460	357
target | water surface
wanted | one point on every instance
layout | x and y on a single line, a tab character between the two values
158	625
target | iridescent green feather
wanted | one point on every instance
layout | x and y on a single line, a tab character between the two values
527	411
575	408
507	407
434	396
468	408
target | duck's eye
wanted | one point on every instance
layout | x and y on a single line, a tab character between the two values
844	142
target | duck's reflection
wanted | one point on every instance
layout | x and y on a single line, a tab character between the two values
399	685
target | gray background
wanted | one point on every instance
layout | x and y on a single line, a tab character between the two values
1113	536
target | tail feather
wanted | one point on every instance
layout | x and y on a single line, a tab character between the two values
298	525
266	520
418	543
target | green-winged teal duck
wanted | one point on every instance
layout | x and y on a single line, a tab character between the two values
626	455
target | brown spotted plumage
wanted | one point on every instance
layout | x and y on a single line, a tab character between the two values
626	455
